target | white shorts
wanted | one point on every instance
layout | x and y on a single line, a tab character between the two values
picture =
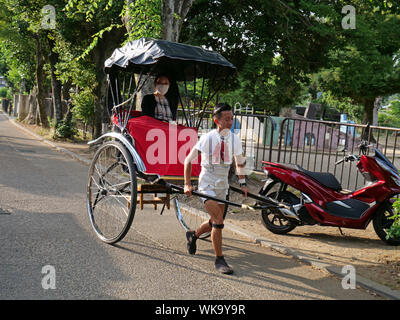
217	193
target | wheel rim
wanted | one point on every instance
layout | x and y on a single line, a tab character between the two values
188	216
192	219
111	192
275	220
384	223
272	215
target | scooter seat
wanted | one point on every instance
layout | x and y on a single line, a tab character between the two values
325	178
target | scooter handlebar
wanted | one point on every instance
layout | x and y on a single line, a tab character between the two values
351	157
339	162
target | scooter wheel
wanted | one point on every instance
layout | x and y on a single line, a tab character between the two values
382	222
273	220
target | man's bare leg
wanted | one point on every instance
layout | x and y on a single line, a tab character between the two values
214	210
205	226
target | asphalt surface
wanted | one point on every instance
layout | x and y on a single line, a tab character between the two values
43	222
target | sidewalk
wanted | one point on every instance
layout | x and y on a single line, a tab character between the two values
81	152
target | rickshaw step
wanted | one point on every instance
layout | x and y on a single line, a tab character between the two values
153	189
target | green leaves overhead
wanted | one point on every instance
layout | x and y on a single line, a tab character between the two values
278	44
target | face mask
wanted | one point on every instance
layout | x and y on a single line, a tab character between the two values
162	88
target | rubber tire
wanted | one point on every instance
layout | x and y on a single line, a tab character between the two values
133	196
287	198
380	223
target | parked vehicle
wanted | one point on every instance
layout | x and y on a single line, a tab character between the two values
320	199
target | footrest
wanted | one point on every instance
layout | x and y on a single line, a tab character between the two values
153	189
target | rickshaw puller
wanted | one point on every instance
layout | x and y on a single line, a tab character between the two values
217	147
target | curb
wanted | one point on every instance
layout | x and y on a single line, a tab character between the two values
312	261
309	260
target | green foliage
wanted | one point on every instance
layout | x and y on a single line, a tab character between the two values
84	106
394	230
274	46
3	92
65	129
141	17
144	19
362	65
17	47
391	116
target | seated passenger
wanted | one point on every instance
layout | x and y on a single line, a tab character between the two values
163	103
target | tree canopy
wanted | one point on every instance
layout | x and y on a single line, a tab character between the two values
279	45
285	51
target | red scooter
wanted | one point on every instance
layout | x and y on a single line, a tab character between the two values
322	200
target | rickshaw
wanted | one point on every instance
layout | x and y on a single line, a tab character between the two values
121	173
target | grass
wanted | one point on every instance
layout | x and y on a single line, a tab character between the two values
48	134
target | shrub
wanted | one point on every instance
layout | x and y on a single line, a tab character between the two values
83	106
394	230
65	129
3	92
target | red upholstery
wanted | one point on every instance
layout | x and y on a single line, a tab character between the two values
163	146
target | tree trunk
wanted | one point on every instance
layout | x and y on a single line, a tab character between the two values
40	76
101	52
368	118
98	92
31	117
377	105
173	13
65	90
55	84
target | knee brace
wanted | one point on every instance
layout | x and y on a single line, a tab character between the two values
216	226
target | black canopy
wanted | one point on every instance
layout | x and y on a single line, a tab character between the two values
181	61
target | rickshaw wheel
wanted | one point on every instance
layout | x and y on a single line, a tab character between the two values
187	218
111	192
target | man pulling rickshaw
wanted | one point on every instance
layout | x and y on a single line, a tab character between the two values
218	147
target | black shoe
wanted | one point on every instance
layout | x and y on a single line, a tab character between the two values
222	266
191	241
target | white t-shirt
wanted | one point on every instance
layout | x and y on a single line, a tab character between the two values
214	170
209	145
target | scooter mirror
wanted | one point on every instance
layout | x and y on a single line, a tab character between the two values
364	146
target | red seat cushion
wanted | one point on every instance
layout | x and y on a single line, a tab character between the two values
163	147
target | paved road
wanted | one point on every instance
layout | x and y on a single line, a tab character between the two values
43	222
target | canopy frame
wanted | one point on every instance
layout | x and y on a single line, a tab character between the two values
122	66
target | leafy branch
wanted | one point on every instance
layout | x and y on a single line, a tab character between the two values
394	230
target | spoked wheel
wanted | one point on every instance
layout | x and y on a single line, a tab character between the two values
111	192
191	212
271	218
382	223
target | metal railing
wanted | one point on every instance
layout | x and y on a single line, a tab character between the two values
312	144
317	145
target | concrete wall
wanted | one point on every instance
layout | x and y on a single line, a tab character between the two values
23	106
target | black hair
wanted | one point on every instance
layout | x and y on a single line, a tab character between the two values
221	107
160	75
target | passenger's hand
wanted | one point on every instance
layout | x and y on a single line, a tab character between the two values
245	190
188	190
